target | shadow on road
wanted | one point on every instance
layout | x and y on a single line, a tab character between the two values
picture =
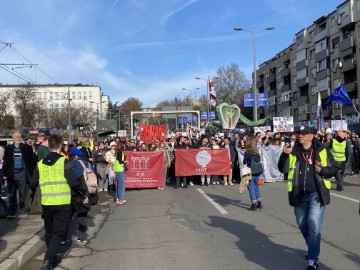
258	247
226	201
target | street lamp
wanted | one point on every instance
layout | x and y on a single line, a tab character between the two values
254	76
208	96
97	107
190	90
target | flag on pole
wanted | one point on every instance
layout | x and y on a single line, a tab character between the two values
212	93
320	116
340	96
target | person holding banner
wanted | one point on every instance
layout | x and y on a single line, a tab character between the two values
232	155
253	161
308	166
339	150
204	144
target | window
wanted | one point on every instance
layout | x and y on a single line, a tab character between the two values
272	101
323	85
333	21
314	89
56	95
79	95
73	95
336	83
321	65
313	108
90	95
301	74
280	85
295	95
286	96
296	112
335	63
294	79
51	95
301	55
320	46
313	72
45	95
303	109
335	42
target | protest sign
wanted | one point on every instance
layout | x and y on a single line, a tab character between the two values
337	125
283	124
262	130
151	133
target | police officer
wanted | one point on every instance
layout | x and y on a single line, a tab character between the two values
56	177
339	151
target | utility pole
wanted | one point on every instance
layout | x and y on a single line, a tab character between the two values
69	112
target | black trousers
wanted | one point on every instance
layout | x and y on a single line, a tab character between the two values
56	223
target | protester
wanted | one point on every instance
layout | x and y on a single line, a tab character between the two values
356	151
253	161
87	151
80	199
204	144
56	177
110	159
340	153
65	151
232	155
119	169
215	179
18	168
99	156
308	166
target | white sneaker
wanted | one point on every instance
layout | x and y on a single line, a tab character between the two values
191	183
231	184
105	189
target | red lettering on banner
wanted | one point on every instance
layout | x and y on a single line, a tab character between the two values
202	162
145	170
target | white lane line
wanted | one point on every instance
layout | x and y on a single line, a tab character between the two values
216	205
344	197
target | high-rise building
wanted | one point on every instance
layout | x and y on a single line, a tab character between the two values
321	57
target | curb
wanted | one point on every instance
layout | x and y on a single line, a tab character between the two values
27	251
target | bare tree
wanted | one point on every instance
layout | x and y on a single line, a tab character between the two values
129	105
29	107
4	117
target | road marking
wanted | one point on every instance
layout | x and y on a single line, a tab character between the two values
344	197
215	204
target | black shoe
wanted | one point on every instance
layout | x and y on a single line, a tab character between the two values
339	188
46	265
313	265
82	238
253	207
259	205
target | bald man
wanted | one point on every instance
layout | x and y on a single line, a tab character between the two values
18	168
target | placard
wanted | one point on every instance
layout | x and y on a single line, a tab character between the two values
151	133
283	124
337	125
262	130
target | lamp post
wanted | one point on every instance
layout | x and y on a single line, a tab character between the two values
191	90
98	115
254	75
208	96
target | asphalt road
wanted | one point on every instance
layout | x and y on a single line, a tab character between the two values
210	228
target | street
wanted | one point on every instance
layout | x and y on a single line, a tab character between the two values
210	228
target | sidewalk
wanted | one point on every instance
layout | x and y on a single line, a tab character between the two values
22	239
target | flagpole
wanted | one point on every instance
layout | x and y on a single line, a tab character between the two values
341	111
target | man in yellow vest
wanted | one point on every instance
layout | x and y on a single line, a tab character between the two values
308	166
56	177
339	150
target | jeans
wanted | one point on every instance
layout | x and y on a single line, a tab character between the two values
101	170
254	190
309	217
120	188
14	185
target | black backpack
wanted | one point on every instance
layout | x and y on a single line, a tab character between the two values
256	166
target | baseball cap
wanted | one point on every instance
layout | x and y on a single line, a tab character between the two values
306	130
112	144
76	152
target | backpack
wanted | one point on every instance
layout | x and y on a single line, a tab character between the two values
90	179
256	166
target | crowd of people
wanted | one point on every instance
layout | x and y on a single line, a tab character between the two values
36	185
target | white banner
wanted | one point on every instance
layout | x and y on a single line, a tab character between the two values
337	125
283	124
270	156
262	130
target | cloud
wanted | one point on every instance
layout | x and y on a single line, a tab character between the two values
170	14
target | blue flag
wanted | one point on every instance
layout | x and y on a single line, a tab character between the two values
340	96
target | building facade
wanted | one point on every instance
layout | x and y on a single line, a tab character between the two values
321	57
55	96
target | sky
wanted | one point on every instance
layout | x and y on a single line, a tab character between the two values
147	49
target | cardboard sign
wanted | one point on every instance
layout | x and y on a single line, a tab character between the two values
262	130
283	124
151	133
337	125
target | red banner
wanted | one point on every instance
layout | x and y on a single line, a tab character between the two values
201	162
151	133
145	169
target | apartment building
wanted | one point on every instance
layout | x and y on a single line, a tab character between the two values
57	96
321	57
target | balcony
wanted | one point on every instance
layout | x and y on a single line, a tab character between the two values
303	100
303	117
302	64
285	88
271	78
285	72
321	55
272	93
260	84
286	104
323	74
347	44
348	110
350	87
348	65
302	82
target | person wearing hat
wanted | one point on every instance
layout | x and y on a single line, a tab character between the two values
80	200
308	166
339	150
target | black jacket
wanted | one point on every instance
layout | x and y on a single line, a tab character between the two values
326	172
29	160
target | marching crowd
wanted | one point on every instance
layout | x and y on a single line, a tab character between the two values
53	178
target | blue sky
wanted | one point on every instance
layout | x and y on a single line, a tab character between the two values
147	49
